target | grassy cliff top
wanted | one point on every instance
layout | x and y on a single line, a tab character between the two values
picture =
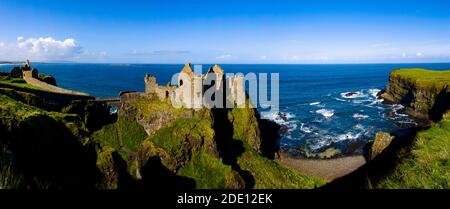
428	164
424	77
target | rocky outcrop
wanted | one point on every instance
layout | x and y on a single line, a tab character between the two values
424	93
149	111
380	143
47	79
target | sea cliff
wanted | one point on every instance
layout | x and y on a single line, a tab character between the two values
424	93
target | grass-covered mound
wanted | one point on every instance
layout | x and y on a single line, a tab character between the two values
425	93
423	77
217	148
428	163
187	147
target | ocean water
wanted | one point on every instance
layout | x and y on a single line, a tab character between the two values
316	112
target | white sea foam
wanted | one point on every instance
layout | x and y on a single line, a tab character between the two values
374	92
339	99
353	95
360	116
358	127
283	119
305	128
325	112
289	115
314	103
347	136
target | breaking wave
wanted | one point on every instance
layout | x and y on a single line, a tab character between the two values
305	128
360	116
325	113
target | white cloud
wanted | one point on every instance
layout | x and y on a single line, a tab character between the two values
41	49
49	48
224	57
419	54
404	55
263	57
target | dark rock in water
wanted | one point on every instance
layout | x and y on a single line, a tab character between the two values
349	94
283	116
380	93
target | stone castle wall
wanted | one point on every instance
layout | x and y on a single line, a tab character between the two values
190	89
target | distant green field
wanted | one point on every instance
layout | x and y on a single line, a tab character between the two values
424	77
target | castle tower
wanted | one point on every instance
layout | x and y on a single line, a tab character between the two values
27	65
150	84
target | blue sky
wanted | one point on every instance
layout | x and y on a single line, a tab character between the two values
226	31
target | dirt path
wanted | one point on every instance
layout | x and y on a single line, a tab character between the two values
326	169
35	82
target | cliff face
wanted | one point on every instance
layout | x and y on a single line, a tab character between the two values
208	148
425	93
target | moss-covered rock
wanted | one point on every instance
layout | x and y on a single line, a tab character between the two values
95	114
245	126
149	111
379	144
48	152
124	137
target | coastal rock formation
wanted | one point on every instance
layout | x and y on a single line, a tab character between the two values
47	79
424	93
380	143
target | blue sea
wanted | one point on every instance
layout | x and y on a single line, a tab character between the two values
315	110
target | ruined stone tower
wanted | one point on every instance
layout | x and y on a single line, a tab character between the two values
191	87
150	84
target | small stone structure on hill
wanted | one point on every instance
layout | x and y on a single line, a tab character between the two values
18	72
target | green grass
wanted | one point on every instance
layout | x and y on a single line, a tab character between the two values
124	134
269	174
18	82
245	126
182	137
424	77
428	164
209	172
9	177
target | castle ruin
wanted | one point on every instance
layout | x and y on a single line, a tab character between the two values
191	88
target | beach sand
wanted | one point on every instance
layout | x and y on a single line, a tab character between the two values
328	169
